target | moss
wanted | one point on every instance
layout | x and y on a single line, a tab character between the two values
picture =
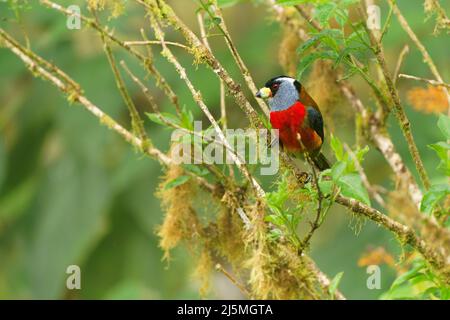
277	273
96	4
203	271
230	234
117	8
73	96
180	221
200	54
108	121
287	52
324	89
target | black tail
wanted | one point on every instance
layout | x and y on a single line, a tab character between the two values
321	162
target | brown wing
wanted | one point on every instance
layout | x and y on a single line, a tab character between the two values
306	99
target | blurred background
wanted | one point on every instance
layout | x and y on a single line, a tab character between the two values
73	192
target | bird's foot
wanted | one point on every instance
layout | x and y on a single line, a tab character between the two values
303	178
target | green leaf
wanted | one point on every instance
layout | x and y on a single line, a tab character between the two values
275	219
226	3
338	170
442	149
187	119
323	12
352	187
178	181
195	169
433	196
326	186
401	292
350	72
335	283
419	279
159	118
444	125
341	16
347	3
328	36
155	117
275	234
306	61
292	2
410	274
360	153
337	147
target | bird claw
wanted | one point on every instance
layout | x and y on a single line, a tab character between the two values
303	178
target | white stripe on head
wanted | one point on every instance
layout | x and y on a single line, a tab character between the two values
292	80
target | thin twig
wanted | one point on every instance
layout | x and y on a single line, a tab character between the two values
429	81
426	56
203	55
223	106
316	223
324	281
146	62
151	42
240	163
223	111
386	24
38	68
308	18
400	60
233	280
136	122
442	20
238	59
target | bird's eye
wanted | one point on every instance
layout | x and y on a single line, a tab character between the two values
275	86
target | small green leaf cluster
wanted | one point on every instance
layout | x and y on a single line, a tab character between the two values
418	283
286	214
344	173
332	42
288	204
184	120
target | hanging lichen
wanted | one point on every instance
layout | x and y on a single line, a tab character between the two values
180	221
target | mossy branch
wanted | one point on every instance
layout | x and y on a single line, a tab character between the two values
202	55
253	219
137	124
146	62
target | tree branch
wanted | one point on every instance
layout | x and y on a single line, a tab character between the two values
406	234
429	81
402	118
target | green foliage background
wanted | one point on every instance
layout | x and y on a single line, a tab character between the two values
72	192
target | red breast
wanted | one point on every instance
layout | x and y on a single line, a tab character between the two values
290	123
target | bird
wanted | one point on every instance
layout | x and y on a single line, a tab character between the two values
297	117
